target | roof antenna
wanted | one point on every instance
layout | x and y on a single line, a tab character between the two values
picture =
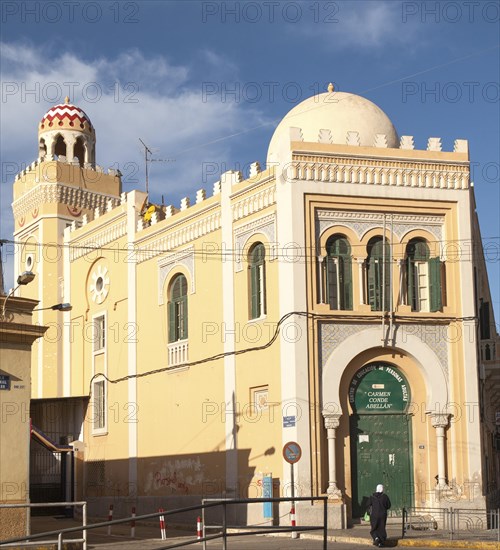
147	159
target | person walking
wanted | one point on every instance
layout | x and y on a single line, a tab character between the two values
378	504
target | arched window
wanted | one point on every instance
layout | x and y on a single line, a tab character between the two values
424	277
338	273
378	272
257	282
42	149
79	151
178	310
60	146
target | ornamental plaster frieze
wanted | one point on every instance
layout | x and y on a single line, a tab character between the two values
63	194
167	264
377	173
361	222
170	240
265	225
253	203
434	336
98	240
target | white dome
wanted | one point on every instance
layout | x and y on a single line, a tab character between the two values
340	113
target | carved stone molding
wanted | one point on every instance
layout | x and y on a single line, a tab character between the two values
362	222
63	194
434	336
254	202
103	236
170	239
378	172
167	264
265	225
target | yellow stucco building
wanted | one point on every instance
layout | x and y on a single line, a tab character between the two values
337	298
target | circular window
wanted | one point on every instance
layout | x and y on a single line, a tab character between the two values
30	260
99	284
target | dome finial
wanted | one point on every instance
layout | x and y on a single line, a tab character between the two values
66	100
331	87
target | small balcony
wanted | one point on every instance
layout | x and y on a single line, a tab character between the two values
177	353
489	350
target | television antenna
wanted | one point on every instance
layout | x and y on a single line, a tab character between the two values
148	159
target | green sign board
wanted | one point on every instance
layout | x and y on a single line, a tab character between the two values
379	388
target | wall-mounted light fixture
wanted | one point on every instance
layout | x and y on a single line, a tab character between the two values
25	278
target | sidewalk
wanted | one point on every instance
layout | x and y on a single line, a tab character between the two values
360	534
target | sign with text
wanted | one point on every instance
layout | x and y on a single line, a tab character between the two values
379	388
4	382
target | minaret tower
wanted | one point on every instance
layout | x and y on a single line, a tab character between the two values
62	187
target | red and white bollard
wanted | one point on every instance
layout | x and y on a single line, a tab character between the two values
293	523
199	527
110	517
162	525
132	524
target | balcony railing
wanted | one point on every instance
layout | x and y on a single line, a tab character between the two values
178	353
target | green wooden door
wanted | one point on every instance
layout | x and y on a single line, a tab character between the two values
380	453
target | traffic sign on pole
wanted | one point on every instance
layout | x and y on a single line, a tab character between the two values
292	452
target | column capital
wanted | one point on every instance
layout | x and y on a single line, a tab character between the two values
440	420
332	421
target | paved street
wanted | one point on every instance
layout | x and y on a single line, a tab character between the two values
357	538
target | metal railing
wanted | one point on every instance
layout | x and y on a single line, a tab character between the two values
26	540
223	534
455	522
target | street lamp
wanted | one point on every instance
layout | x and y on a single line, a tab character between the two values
25	278
57	307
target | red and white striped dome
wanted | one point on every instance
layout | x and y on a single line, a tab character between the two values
66	116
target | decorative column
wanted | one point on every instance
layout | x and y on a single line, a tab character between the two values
331	425
361	278
440	422
320	278
402	300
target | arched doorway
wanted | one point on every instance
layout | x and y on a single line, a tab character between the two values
381	441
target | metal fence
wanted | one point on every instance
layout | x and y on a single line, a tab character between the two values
456	523
26	541
223	530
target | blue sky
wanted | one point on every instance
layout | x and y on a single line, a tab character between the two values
205	83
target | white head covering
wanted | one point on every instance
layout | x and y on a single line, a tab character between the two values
380	488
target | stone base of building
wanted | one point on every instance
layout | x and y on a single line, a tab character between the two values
13	521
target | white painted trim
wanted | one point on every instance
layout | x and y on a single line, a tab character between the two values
95	353
67	332
132	217
228	316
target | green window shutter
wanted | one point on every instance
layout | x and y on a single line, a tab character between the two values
374	285
331	283
183	321
435	293
345	278
171	322
254	291
264	291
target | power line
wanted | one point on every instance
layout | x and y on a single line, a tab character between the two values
272	340
309	251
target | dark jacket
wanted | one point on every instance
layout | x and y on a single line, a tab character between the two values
378	504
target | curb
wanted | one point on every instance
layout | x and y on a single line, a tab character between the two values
415	543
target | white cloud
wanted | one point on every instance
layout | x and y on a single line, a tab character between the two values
362	25
139	97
